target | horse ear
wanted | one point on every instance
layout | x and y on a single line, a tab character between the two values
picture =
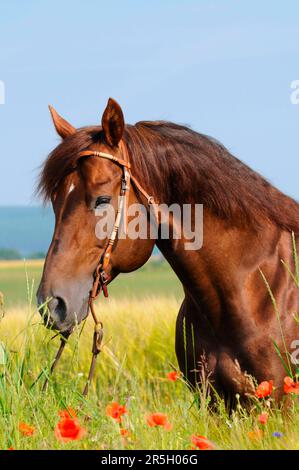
63	128
113	123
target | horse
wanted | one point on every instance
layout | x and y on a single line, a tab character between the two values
236	323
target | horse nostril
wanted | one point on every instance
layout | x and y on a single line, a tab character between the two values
53	310
58	308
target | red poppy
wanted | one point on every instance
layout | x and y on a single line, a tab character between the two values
290	386
11	448
116	411
173	376
67	413
69	429
159	419
124	432
26	429
201	442
264	389
263	418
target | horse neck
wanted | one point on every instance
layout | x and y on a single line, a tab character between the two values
228	254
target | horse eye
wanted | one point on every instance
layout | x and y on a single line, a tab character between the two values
102	200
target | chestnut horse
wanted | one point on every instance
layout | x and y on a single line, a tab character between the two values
227	324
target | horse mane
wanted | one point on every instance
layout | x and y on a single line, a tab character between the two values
178	165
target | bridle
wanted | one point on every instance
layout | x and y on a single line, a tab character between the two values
100	276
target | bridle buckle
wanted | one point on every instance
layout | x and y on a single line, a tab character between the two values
104	280
124	185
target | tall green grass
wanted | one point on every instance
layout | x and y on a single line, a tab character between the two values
138	352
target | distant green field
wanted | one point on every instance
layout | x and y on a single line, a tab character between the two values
153	279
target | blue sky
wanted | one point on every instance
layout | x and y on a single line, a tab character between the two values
223	67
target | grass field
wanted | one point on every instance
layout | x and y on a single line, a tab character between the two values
138	353
154	278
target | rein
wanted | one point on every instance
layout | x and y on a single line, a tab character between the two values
100	276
